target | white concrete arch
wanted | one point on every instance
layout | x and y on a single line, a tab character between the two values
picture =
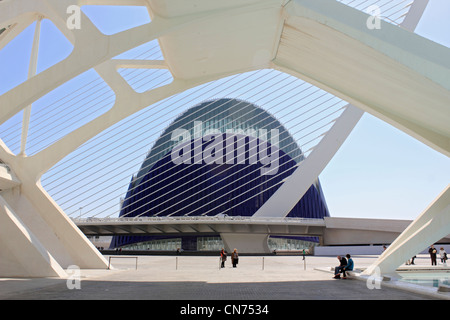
309	39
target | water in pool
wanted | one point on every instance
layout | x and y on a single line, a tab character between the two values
426	279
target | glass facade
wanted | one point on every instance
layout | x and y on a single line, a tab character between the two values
209	244
215	243
157	244
290	244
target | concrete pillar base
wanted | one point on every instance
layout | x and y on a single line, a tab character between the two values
21	253
246	243
38	240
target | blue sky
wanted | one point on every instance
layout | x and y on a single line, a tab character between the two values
380	172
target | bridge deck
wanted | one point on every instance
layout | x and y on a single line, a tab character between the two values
200	225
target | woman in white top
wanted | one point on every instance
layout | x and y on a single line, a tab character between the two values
443	255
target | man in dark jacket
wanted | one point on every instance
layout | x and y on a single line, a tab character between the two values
338	269
432	251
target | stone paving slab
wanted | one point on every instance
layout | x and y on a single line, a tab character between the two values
200	278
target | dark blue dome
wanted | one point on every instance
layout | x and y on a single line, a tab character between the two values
165	187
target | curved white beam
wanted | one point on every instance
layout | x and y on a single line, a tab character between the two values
388	78
391	79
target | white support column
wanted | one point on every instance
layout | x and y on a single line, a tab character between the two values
46	221
432	225
21	252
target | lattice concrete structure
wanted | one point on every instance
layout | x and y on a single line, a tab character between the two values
324	42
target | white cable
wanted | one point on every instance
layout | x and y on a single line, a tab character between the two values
384	3
229	200
247	182
151	164
258	169
160	103
225	186
210	104
216	115
167	177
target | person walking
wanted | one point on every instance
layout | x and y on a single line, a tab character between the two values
234	258
432	251
443	255
223	258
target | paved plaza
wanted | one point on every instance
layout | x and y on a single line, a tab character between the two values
200	278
